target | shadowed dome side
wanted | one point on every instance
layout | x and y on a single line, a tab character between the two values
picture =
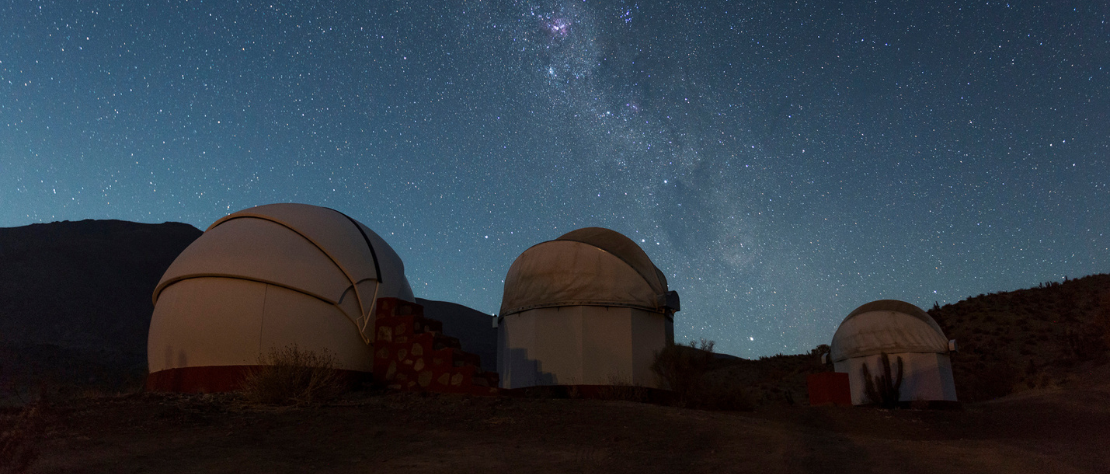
889	326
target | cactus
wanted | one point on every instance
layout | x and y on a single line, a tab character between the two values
883	390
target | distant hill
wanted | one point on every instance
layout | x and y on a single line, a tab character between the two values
1038	337
75	296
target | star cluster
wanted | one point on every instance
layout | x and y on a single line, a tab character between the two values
781	162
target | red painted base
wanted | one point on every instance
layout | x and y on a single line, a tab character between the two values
829	388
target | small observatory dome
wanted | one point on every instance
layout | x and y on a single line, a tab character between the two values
889	326
588	308
592	267
901	330
269	277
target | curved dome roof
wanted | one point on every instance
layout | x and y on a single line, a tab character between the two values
586	267
314	250
889	326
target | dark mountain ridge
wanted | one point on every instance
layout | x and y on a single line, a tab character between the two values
86	284
75	296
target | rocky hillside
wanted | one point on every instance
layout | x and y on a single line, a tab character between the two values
1043	337
1038	337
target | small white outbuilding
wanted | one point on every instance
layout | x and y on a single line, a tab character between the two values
264	278
898	329
588	308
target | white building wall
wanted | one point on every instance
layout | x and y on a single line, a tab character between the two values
927	376
650	333
579	345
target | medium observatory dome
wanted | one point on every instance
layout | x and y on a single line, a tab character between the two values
586	267
314	250
889	326
588	308
269	277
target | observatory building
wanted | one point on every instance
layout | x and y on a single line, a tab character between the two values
264	278
588	308
901	330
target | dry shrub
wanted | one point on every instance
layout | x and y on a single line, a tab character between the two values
994	378
684	370
1101	319
716	394
621	389
1085	343
548	391
999	378
681	368
291	376
573	392
18	440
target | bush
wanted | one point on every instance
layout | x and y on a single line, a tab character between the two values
713	394
1101	320
18	440
997	379
681	368
884	389
621	389
291	376
684	370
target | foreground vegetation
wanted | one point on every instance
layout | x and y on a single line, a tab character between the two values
294	376
385	431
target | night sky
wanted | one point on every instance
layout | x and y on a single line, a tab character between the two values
781	162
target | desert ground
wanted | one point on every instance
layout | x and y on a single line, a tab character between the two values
1063	429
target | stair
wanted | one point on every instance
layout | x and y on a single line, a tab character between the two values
412	354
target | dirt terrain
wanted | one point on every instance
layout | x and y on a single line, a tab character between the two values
1042	431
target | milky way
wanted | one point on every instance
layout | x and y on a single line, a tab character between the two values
781	162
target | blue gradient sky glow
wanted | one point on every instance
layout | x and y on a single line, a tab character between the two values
782	162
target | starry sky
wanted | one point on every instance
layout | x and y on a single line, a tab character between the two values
782	162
